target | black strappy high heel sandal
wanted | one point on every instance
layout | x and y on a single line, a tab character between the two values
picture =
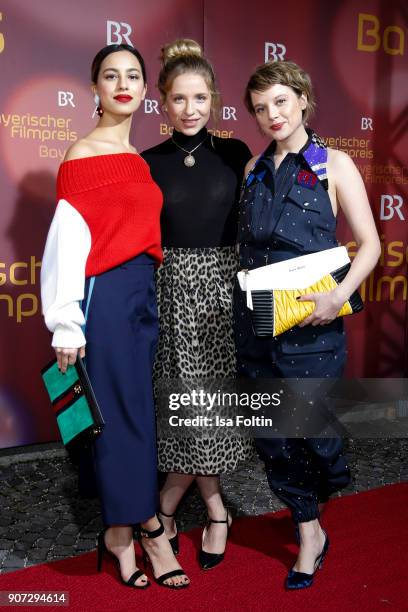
160	580
209	560
174	541
102	550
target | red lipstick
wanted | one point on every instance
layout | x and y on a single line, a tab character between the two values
123	98
277	126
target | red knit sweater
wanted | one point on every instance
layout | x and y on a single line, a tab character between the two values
121	204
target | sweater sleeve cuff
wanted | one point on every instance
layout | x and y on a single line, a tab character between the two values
68	338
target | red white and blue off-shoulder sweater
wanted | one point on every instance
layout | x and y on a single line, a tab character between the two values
108	212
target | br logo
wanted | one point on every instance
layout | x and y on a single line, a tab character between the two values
151	106
1	36
118	32
391	204
370	38
366	123
229	113
66	98
274	51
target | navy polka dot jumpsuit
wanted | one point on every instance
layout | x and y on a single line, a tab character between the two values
285	214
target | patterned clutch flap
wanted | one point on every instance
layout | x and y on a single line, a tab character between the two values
275	310
79	417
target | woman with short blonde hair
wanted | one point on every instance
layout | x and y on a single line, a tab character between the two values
292	194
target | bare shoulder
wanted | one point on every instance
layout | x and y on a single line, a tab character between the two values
80	148
339	160
251	164
341	167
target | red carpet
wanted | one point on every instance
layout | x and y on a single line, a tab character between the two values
365	570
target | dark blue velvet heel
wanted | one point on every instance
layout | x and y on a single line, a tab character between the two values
301	580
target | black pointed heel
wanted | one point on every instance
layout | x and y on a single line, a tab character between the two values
174	541
160	580
102	550
301	580
209	560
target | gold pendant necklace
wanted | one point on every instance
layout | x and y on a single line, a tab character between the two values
189	160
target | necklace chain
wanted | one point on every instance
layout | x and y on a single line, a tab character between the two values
189	160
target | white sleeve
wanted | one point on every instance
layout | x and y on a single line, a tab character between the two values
63	276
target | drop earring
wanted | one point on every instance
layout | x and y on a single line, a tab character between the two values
97	101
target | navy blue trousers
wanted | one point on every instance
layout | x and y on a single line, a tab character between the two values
121	333
302	472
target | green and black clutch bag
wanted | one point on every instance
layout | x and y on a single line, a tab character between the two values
79	417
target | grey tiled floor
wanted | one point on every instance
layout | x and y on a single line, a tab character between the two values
42	517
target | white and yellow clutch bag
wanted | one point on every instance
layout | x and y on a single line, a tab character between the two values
271	291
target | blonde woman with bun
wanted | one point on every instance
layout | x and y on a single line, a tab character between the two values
199	175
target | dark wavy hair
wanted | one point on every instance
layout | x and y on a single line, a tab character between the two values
100	56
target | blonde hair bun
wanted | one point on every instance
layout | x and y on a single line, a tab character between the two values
180	48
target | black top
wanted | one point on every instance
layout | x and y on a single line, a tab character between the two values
201	202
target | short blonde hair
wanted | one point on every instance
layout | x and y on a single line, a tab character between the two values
182	56
281	73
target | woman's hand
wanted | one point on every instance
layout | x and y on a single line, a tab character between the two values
351	195
327	306
68	356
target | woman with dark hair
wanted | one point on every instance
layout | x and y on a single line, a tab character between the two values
101	251
288	208
200	176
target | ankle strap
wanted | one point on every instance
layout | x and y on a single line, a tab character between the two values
210	520
167	515
152	534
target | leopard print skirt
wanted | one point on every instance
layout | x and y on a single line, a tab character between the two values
194	292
